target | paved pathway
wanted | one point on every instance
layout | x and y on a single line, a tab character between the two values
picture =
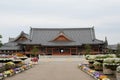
54	69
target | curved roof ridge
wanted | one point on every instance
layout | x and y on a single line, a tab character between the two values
61	28
22	33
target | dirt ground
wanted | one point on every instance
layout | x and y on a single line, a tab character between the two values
54	69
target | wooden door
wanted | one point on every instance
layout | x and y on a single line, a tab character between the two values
73	51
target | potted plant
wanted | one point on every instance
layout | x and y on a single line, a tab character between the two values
1	76
97	65
106	66
91	59
110	65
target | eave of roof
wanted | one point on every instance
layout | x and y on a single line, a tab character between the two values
10	48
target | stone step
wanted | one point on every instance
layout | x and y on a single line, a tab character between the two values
46	56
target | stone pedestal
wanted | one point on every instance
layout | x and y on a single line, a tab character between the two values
107	70
117	76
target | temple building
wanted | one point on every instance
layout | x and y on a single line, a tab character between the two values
55	41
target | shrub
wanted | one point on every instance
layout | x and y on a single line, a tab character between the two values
118	69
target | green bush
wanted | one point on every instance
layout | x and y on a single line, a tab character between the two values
97	63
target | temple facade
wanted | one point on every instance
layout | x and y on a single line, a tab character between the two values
55	41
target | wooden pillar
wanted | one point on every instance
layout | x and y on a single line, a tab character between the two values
52	51
98	49
46	50
70	51
77	50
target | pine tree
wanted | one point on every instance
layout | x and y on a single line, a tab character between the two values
87	49
34	51
0	40
118	50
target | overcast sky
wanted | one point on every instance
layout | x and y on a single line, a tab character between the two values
19	15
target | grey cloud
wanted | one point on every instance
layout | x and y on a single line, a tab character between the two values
103	14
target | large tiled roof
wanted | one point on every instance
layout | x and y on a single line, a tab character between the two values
79	36
10	46
113	47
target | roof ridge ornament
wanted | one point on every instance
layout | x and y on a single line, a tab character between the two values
61	33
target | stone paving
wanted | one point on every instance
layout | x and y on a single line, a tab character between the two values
54	69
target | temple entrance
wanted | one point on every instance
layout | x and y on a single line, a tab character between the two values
61	51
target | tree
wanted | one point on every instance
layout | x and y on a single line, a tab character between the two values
34	51
87	49
0	40
118	50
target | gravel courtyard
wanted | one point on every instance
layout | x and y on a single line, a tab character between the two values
54	69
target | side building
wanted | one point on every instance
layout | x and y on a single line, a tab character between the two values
55	41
